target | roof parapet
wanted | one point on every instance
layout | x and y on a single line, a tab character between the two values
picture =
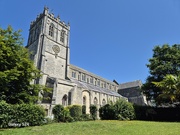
50	15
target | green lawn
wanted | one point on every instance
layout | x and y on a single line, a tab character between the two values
100	128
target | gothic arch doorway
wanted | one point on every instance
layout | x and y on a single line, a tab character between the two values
86	100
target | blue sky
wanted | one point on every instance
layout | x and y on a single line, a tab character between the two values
111	38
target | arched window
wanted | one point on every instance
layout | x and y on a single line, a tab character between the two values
84	100
62	36
103	102
95	101
51	30
64	100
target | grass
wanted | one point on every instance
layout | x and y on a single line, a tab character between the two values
99	128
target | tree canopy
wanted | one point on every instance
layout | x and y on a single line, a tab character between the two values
170	87
17	71
165	60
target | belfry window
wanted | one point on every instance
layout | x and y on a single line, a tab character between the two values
51	30
62	36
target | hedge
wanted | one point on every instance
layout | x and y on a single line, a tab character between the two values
157	113
21	115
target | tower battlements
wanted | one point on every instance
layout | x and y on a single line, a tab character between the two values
51	16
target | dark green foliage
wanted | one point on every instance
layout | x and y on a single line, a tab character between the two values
16	70
121	110
124	110
57	111
5	114
157	113
32	114
21	115
61	114
170	86
165	60
75	111
85	117
107	112
83	109
93	112
140	112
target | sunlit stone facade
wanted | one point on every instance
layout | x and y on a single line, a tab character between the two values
49	43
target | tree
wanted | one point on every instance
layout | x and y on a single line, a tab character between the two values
165	60
17	71
170	87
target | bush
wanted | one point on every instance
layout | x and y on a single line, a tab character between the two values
83	109
5	116
124	110
29	114
20	115
75	111
62	114
107	112
57	111
157	113
93	112
86	117
65	116
121	110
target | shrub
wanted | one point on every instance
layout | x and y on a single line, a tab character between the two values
29	114
57	111
20	115
76	112
93	112
65	115
5	110
157	113
124	110
83	109
121	110
62	114
86	117
107	112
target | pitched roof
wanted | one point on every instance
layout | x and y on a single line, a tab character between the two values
136	83
95	88
92	74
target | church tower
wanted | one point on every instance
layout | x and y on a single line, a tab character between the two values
48	43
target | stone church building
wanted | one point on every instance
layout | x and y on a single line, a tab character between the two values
49	43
